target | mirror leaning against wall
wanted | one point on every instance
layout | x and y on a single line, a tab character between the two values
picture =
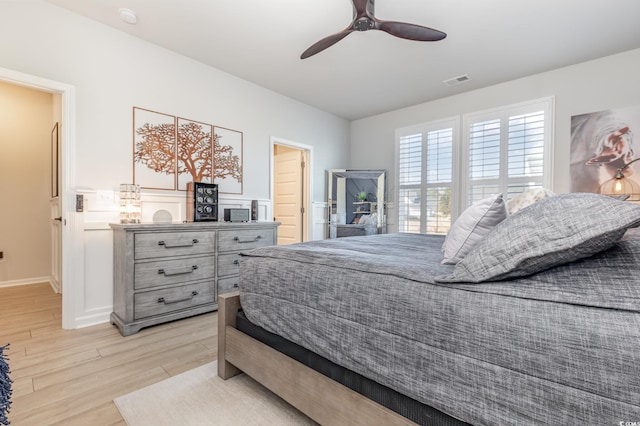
356	200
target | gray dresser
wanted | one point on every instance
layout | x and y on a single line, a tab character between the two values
164	272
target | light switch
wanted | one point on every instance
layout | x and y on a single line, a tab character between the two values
79	203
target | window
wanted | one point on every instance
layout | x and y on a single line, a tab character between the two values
506	150
425	177
509	150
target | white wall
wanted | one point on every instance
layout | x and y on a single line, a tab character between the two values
25	228
111	72
610	82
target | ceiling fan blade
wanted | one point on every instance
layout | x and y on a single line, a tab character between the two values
409	31
361	7
326	42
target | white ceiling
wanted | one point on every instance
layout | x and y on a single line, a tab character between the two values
372	72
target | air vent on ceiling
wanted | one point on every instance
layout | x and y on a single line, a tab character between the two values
457	80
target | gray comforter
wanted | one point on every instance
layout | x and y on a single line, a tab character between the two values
561	347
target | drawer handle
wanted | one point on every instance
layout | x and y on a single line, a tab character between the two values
235	285
169	245
247	241
169	302
189	270
236	262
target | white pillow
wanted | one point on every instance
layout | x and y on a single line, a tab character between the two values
526	198
473	225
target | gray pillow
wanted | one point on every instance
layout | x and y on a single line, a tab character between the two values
551	232
475	223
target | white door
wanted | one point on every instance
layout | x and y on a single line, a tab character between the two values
288	193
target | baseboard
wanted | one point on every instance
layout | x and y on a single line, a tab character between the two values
100	317
25	281
55	285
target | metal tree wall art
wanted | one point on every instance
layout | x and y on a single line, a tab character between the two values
227	164
154	146
156	150
169	152
194	152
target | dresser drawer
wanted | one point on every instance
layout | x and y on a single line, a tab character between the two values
228	264
244	239
164	244
157	302
174	271
226	285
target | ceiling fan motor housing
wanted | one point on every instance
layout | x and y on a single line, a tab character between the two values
363	24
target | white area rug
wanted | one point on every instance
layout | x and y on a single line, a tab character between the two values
199	397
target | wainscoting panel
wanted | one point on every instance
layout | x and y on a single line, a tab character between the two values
320	222
97	295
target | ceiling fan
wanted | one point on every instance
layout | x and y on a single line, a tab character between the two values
364	20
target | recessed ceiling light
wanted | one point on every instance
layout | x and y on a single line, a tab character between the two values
128	16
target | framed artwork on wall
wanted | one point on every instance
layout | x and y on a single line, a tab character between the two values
194	153
601	143
154	149
169	152
55	162
227	162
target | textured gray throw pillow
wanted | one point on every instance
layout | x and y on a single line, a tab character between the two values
551	232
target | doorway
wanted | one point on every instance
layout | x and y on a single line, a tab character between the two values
29	141
290	190
62	224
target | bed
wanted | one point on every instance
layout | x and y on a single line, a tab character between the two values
538	324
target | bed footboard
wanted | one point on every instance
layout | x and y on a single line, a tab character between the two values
317	396
228	307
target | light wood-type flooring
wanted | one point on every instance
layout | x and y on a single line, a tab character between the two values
70	377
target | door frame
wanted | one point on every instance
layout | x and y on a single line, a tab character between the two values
69	270
307	177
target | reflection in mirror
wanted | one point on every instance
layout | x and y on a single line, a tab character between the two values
356	202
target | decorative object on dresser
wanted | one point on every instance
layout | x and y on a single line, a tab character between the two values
164	272
202	202
162	216
236	215
254	209
130	208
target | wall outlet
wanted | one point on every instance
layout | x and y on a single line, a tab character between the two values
105	198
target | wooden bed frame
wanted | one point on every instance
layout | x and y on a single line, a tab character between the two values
317	396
